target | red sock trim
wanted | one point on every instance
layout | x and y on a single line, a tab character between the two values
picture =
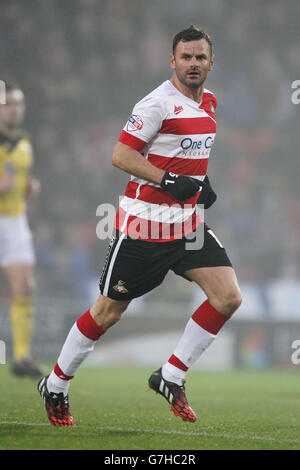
88	327
60	374
177	363
209	318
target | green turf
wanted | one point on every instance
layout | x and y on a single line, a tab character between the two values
114	409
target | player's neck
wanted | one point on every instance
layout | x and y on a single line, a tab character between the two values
193	94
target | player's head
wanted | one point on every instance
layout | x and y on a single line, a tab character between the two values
12	112
192	56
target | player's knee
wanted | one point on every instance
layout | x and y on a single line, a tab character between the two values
228	303
232	302
235	302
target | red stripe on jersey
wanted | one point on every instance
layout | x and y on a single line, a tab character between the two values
186	126
155	195
210	113
153	231
132	141
180	166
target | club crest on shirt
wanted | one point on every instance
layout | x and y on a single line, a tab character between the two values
134	123
120	287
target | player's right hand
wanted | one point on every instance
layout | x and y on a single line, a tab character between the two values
180	186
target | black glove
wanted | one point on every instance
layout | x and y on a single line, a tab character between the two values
207	196
180	186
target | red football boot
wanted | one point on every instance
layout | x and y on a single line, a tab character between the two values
174	394
57	405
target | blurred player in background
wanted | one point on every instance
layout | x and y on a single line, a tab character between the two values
16	249
165	147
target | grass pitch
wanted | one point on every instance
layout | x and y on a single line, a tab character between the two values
114	410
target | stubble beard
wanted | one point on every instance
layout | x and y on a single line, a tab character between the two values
192	84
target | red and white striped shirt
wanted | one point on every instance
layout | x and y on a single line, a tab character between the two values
174	133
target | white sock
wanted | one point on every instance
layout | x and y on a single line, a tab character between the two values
173	374
57	385
192	344
79	344
194	341
75	350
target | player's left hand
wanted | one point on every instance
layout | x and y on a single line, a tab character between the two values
33	187
181	187
207	196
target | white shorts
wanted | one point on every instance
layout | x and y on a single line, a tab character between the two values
16	245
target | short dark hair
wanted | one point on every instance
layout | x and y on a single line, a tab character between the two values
191	34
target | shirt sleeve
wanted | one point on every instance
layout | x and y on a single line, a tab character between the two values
143	124
210	104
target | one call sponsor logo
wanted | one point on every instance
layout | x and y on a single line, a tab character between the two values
197	147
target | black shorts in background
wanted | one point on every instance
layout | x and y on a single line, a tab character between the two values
134	267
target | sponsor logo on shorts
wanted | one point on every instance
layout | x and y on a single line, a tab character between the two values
120	287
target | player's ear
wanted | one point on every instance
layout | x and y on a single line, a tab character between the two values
211	66
172	61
